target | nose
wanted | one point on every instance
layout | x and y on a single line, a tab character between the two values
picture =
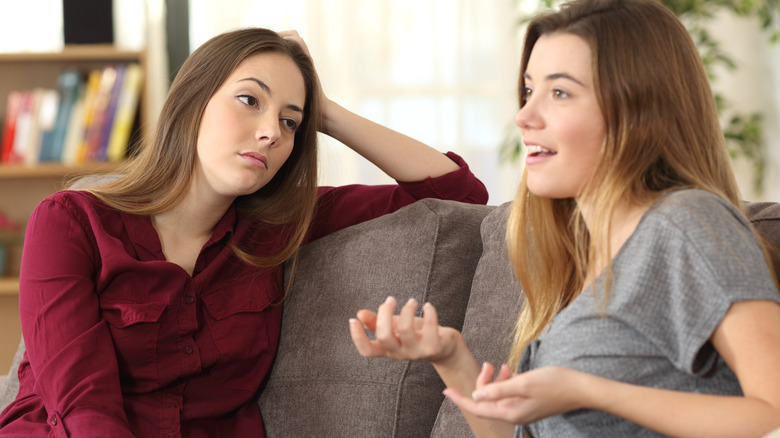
527	116
268	130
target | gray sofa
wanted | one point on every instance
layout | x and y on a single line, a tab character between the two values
448	253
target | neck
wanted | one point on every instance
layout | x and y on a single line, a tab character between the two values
624	219
192	218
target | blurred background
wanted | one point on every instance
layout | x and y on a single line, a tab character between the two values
442	71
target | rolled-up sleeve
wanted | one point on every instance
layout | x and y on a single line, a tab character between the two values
459	185
69	346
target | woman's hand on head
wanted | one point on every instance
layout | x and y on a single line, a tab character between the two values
404	336
523	398
293	35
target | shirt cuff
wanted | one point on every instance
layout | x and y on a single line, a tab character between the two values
88	423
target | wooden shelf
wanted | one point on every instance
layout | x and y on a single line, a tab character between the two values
53	170
9	286
99	52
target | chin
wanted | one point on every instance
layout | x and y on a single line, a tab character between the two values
549	192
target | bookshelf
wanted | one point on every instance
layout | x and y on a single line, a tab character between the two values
22	187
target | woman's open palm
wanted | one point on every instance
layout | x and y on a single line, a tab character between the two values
404	336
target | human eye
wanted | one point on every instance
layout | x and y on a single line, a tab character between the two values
290	124
525	94
559	94
248	100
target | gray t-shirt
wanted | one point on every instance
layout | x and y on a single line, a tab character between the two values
691	256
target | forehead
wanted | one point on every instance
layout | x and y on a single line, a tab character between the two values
278	71
560	53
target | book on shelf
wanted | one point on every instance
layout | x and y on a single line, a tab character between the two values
125	113
12	108
68	87
76	154
87	118
27	130
47	101
93	134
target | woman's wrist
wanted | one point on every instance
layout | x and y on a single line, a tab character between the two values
328	109
455	354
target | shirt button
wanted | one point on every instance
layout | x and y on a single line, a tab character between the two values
189	299
53	421
172	406
188	349
170	435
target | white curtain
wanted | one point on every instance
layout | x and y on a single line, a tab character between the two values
441	71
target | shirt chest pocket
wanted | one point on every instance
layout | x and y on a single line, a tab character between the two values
135	329
244	324
235	314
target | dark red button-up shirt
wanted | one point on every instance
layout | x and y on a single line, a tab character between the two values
122	343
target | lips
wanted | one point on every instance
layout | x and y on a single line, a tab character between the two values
256	159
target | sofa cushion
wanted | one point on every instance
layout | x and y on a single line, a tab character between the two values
10	385
427	251
490	315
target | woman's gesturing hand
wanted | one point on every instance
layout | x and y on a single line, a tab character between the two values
522	398
404	336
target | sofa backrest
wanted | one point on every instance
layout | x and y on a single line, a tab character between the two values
320	386
431	250
492	310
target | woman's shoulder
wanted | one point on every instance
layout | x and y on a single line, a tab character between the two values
75	202
696	208
73	197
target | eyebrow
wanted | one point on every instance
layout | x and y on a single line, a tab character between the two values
267	90
554	76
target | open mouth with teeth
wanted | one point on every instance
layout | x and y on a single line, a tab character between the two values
536	150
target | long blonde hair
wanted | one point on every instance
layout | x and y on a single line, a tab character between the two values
662	134
155	180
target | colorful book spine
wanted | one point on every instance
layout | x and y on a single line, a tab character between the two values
68	87
48	102
94	133
108	124
25	127
12	108
127	106
90	95
74	136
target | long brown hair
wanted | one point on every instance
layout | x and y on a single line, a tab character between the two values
155	180
662	134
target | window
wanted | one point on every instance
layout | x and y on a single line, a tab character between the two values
441	71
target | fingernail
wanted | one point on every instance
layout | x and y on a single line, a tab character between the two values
411	300
388	299
476	395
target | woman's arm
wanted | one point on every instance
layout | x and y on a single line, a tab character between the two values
407	337
748	339
399	156
68	344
